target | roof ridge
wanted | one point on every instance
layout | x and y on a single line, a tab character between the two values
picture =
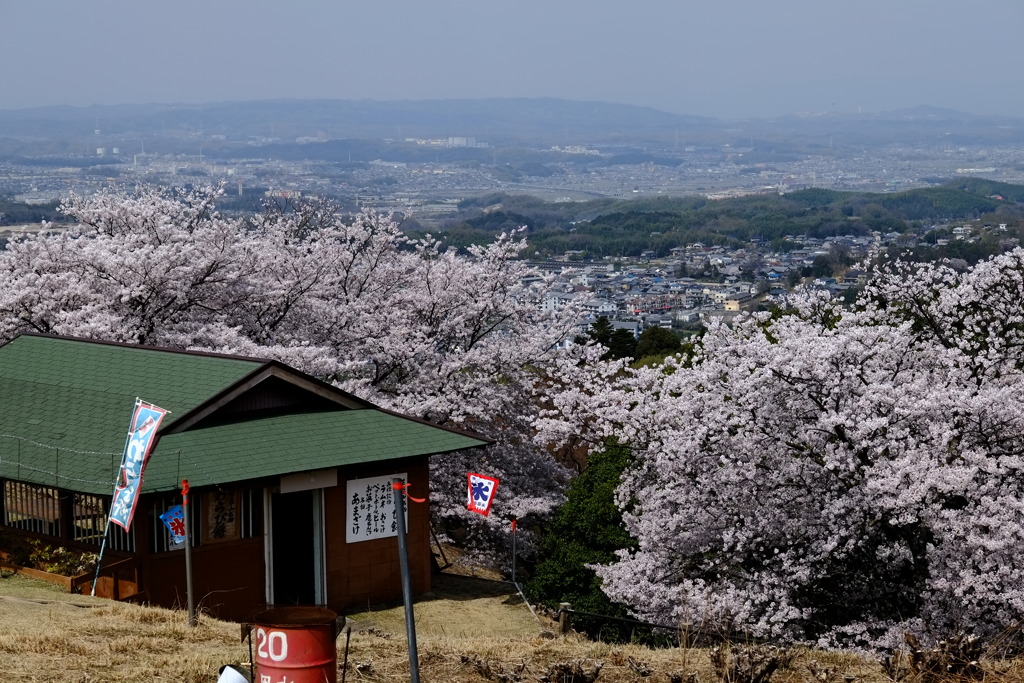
147	347
266	363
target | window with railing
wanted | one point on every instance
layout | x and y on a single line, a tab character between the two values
215	516
31	507
90	522
251	512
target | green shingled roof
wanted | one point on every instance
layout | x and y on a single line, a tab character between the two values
292	443
65	405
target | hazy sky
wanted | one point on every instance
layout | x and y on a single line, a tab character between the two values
723	58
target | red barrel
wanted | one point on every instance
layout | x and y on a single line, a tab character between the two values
296	645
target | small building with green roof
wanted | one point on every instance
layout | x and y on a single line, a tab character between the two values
290	478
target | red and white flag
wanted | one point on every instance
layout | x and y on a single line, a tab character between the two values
481	492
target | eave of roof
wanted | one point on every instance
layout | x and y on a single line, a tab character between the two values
283	444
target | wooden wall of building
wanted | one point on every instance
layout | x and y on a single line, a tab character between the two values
229	576
228	579
368	572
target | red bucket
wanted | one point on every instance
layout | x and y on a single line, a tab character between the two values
296	644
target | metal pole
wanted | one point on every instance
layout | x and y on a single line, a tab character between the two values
514	551
403	561
99	560
252	662
188	555
117	479
344	666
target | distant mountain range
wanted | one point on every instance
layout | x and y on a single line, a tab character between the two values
495	121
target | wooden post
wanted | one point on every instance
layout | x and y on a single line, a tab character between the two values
564	625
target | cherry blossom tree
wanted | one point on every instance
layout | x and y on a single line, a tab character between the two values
142	268
834	475
456	339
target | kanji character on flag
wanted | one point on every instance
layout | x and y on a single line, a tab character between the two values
481	492
141	438
174	519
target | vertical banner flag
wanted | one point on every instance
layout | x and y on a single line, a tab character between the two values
481	493
174	519
141	437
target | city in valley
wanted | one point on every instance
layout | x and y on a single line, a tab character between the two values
436	171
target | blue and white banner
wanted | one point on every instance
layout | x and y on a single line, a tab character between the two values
141	438
174	520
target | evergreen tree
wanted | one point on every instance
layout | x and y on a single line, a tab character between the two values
657	341
586	530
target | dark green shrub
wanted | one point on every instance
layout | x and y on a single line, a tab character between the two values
586	530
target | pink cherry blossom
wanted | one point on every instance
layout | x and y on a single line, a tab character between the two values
836	475
410	326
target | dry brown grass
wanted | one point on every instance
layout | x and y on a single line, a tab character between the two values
470	629
47	635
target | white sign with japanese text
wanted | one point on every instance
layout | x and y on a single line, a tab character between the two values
371	508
